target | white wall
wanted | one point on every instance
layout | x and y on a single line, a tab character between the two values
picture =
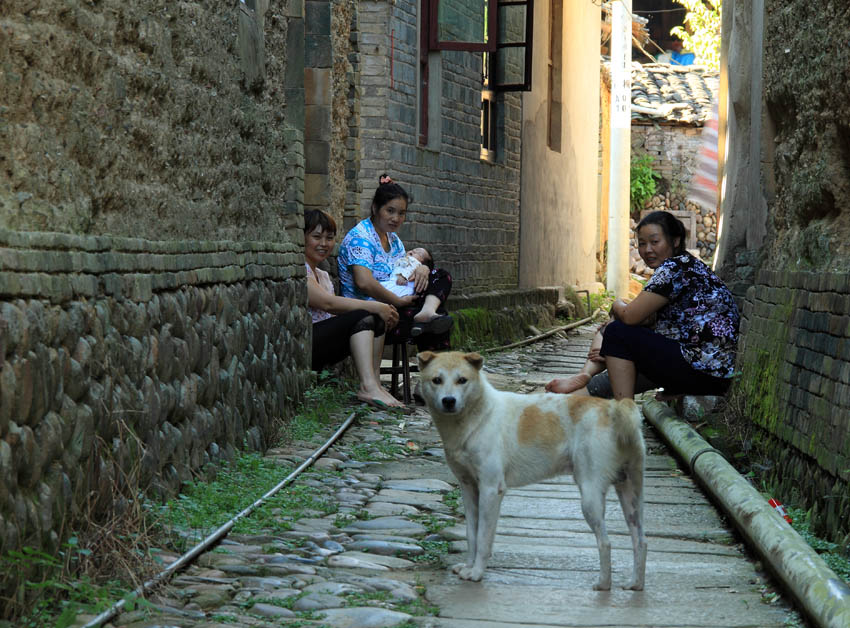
558	196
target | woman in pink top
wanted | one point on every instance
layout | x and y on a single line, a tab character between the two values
343	326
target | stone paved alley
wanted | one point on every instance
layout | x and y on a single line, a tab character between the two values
544	563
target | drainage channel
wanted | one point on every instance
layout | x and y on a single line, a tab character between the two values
219	534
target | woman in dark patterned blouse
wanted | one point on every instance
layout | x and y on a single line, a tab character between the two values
691	346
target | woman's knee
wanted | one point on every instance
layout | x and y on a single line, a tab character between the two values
439	284
368	322
616	330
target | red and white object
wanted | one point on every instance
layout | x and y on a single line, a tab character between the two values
780	509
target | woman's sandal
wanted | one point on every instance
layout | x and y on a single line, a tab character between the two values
438	325
380	405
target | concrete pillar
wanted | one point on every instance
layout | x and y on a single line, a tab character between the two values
621	98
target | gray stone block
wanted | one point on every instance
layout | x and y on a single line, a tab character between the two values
317	17
295	54
317	157
318	51
317	122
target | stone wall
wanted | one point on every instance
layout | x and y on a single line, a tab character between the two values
502	317
464	209
805	159
121	352
154	119
794	361
152	289
784	247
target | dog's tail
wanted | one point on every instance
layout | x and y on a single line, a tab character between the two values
628	420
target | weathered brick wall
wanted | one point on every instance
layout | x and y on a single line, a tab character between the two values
464	209
119	352
794	361
674	150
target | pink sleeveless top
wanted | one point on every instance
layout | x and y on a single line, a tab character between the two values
324	280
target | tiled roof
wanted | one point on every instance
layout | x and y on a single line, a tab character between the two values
669	93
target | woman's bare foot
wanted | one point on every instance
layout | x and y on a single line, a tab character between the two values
379	394
423	316
568	385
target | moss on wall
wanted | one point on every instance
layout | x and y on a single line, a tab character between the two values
791	398
477	328
758	366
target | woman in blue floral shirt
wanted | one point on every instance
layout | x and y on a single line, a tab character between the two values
691	346
367	256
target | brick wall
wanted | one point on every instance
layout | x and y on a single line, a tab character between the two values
674	149
464	209
794	361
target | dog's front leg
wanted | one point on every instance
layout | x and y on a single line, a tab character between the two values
469	492
489	504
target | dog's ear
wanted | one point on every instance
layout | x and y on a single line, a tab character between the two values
475	360
425	358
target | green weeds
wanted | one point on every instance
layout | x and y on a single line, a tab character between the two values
830	552
320	411
384	599
204	506
642	182
601	301
108	556
344	519
288	603
55	598
434	552
382	449
452	499
433	523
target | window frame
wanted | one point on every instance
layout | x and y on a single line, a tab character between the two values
528	44
424	89
466	46
489	112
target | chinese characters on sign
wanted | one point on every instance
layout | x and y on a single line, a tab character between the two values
621	66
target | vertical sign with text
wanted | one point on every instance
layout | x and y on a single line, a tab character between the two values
621	66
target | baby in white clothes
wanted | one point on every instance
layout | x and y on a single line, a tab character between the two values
400	282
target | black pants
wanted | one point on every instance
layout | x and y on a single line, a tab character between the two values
332	336
439	285
658	360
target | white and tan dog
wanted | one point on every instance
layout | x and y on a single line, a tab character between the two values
494	440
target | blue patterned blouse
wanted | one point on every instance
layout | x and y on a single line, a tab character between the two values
701	315
362	247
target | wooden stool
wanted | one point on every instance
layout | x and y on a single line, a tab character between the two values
401	364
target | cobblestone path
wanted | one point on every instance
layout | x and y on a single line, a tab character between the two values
380	560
